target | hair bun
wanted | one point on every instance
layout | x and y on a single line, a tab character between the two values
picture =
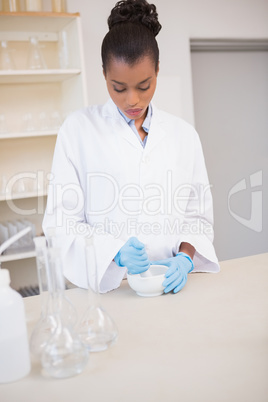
136	11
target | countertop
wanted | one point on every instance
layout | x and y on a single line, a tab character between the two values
209	342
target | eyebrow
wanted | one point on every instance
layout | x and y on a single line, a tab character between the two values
123	83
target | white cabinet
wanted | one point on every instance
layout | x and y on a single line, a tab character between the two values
33	104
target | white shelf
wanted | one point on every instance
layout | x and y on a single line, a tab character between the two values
26	134
17	256
36	76
35	21
23	91
21	196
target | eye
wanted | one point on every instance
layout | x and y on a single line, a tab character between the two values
119	90
145	89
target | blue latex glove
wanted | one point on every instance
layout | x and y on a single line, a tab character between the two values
176	275
133	256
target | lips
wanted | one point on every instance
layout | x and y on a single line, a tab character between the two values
133	112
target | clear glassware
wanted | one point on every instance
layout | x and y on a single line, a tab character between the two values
96	328
47	322
63	50
64	355
44	122
58	6
35	57
28	122
7	62
33	5
55	121
11	5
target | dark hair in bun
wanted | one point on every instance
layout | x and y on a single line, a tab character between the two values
133	25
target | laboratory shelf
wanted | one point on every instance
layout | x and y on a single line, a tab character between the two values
17	256
25	134
36	76
27	93
36	21
23	195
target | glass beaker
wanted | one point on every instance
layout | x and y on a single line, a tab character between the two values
47	322
7	62
96	328
35	57
64	354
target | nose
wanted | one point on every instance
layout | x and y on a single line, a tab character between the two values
132	98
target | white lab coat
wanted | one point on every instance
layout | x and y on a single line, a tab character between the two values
107	187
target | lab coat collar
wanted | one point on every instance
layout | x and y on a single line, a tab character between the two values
156	132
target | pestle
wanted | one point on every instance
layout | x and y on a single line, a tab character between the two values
146	274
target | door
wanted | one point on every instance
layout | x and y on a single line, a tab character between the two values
230	87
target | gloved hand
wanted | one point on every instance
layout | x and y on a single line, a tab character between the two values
176	275
133	256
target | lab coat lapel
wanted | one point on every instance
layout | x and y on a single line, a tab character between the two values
156	132
119	124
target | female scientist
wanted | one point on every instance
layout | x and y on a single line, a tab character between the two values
129	176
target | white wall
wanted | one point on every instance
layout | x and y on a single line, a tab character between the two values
181	20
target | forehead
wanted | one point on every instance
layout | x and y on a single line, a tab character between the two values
121	71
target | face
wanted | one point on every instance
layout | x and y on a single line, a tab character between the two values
131	87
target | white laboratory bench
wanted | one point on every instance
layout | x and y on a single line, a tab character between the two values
207	343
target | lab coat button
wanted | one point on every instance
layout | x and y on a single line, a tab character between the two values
146	159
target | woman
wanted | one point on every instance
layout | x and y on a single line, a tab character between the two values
129	176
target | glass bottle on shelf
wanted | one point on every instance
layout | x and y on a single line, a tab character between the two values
96	328
11	5
58	6
7	62
35	57
33	5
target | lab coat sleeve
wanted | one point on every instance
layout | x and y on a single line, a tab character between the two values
197	228
65	214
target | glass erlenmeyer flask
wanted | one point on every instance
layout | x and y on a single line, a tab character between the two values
7	62
64	354
35	57
96	329
47	323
